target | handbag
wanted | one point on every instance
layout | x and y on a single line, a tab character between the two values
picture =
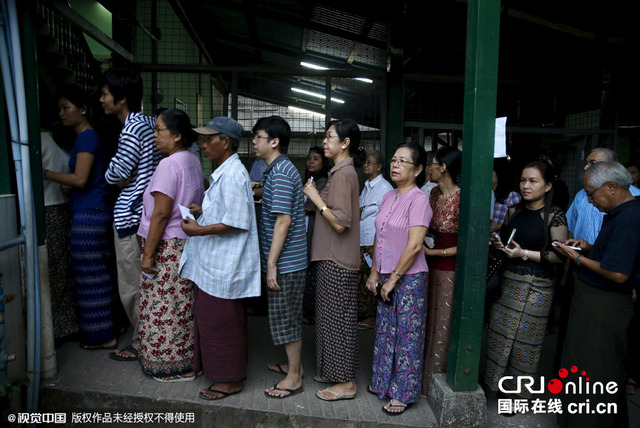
495	267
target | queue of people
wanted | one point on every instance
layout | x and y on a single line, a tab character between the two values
327	253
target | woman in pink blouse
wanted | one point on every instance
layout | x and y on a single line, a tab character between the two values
400	266
445	201
166	300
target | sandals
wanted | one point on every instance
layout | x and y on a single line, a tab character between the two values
216	391
174	378
338	395
90	347
279	388
130	349
396	404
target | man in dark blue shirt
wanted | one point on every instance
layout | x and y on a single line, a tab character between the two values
602	306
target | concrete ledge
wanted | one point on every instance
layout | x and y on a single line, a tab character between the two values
205	414
456	409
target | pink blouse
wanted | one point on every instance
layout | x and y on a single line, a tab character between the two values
397	214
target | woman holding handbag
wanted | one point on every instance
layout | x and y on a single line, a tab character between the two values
518	319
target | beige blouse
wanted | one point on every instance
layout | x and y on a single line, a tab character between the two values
341	196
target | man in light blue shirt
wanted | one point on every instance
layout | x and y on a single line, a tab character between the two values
583	218
222	258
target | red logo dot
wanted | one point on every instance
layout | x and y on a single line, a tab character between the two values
563	373
583	372
554	386
574	369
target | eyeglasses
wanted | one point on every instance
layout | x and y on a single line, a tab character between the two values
158	129
432	164
329	136
401	161
371	163
590	162
259	137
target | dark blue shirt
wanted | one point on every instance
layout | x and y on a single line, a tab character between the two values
95	194
617	248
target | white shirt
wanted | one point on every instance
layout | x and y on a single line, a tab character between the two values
370	200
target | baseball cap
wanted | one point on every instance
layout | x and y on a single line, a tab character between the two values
222	125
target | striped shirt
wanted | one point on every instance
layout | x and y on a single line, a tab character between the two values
136	159
282	194
585	220
226	266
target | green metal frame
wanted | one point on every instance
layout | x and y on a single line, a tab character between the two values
481	77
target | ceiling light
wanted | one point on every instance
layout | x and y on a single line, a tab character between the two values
301	110
314	94
364	79
314	66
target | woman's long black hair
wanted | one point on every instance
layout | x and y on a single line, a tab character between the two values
548	175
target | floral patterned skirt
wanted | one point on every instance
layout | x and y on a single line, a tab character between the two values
166	315
398	350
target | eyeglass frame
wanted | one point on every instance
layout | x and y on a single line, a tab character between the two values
401	161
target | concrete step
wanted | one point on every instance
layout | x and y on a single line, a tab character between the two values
88	381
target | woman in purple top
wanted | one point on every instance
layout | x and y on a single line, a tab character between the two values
166	300
400	266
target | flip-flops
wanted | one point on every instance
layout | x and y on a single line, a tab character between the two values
174	378
392	404
338	396
89	347
279	388
278	369
216	391
130	349
322	380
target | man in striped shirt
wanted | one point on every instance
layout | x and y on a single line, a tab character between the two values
283	248
130	169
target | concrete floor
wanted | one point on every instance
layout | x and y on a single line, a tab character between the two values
88	381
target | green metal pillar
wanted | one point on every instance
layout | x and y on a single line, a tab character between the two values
483	23
30	66
6	165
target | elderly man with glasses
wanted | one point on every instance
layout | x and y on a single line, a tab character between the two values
602	306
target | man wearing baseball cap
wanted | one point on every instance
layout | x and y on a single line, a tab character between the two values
222	258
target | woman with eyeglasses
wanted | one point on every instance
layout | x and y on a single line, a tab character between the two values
400	267
374	189
336	249
445	201
166	329
92	215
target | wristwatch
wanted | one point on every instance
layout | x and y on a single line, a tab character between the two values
526	255
323	209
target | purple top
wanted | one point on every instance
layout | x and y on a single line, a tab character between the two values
180	177
392	228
